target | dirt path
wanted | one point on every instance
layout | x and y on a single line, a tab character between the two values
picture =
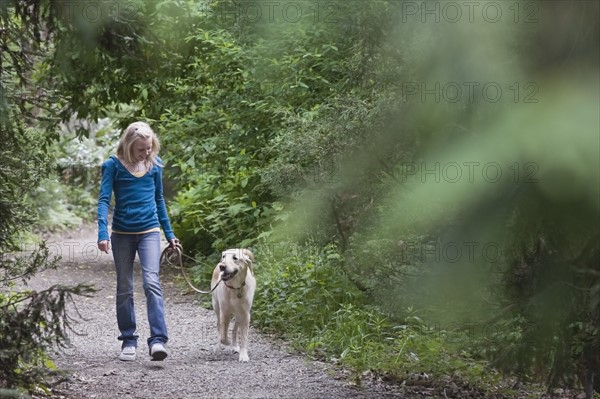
192	369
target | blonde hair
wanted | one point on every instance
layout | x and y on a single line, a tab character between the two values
135	131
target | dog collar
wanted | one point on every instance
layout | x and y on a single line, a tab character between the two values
239	295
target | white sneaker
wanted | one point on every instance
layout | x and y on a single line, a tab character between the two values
127	353
158	351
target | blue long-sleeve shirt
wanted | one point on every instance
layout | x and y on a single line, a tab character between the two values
139	202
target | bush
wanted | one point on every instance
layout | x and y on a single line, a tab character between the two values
305	296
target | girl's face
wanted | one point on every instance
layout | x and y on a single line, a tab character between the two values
142	148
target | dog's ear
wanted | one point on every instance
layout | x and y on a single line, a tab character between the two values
247	255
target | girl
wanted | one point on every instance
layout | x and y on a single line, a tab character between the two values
135	177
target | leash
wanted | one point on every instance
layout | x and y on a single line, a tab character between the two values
168	252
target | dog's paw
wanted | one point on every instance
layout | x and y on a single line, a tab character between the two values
235	349
243	356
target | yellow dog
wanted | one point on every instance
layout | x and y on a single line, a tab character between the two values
233	297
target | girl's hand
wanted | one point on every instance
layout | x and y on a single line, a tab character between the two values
173	242
104	245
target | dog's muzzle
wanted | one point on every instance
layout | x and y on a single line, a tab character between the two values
225	276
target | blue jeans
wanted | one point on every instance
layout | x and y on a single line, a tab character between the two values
124	247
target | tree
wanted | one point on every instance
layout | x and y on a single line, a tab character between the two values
30	322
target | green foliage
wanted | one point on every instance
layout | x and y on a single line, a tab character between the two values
30	322
22	166
215	216
297	281
214	153
374	199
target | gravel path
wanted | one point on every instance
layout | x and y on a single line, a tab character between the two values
192	369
